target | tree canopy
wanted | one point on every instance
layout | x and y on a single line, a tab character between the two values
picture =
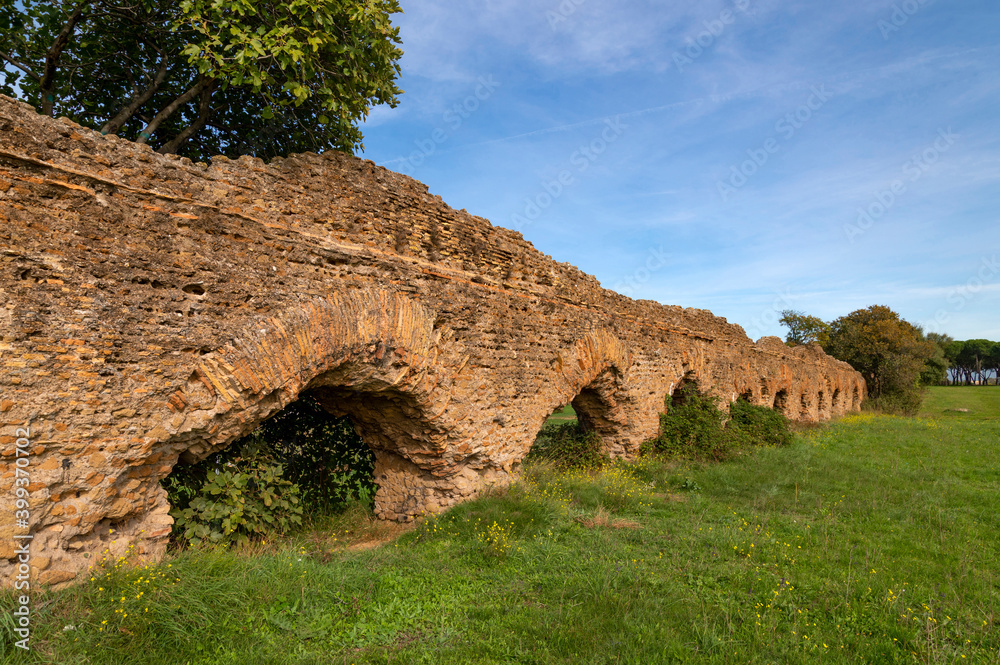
893	355
205	77
890	352
804	329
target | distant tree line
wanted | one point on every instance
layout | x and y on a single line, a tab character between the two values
973	362
896	357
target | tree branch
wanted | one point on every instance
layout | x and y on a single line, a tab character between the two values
113	125
20	65
205	111
46	83
169	109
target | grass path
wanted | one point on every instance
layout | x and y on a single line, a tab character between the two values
873	539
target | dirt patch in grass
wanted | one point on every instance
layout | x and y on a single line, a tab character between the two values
669	496
603	519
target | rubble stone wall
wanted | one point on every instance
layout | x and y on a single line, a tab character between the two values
153	310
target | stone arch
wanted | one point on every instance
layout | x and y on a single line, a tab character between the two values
856	398
835	401
591	375
362	353
821	405
680	387
805	406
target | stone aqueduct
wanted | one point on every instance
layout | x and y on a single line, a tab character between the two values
153	310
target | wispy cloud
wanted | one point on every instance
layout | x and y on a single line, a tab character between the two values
687	126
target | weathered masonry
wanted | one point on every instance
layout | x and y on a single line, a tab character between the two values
153	310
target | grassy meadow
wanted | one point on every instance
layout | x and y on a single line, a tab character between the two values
567	414
873	539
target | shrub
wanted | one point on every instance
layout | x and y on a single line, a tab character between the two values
302	459
692	428
243	499
568	446
759	425
905	403
696	427
322	454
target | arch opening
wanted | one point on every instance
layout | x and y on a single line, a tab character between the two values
781	401
563	415
594	414
351	434
685	388
301	460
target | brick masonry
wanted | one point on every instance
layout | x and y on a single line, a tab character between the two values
153	310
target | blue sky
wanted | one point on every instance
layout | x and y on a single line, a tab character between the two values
742	156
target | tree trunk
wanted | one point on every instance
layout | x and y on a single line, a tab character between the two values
47	83
113	125
170	108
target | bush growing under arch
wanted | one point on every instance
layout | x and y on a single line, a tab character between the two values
301	459
568	446
695	426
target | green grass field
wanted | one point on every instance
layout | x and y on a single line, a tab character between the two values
872	539
981	402
564	415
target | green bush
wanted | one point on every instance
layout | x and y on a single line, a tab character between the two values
322	454
242	500
904	403
759	425
302	459
568	446
695	427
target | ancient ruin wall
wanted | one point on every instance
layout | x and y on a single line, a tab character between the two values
153	310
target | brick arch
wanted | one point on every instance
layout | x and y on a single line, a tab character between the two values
781	402
688	378
591	374
360	352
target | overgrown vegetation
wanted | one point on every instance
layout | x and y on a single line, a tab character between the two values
245	498
895	357
871	539
568	446
694	426
303	459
